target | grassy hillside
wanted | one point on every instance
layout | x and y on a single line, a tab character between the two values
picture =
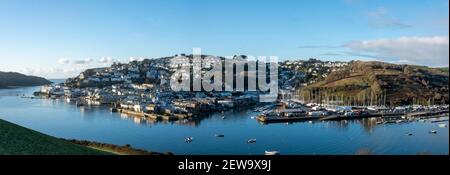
443	69
17	140
12	79
376	82
121	150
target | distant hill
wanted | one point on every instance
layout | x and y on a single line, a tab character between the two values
12	79
377	83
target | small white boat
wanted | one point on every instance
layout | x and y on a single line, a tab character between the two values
442	125
189	139
272	153
253	117
433	132
251	141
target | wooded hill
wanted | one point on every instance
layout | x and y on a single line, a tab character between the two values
378	83
12	79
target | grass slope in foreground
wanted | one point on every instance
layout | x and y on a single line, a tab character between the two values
17	140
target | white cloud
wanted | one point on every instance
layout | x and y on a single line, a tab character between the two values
83	62
430	51
70	72
380	12
63	61
403	61
136	59
380	18
43	72
27	71
107	60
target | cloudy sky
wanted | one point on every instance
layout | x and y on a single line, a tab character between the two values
60	38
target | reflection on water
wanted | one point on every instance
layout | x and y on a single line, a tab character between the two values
62	119
368	124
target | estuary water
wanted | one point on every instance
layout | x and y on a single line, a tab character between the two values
65	120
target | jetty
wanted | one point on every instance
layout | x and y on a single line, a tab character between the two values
281	119
426	113
265	119
152	115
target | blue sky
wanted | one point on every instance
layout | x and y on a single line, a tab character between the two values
59	38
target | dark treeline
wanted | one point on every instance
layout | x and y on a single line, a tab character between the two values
12	79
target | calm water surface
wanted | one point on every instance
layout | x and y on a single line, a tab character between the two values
61	119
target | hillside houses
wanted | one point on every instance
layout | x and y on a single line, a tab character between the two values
143	86
307	71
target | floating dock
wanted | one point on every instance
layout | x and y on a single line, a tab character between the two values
286	119
152	115
265	119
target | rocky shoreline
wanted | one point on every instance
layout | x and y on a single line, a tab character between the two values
116	149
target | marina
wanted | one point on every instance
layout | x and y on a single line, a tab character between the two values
292	115
241	131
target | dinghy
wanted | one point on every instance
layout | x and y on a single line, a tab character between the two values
271	153
189	139
251	140
219	135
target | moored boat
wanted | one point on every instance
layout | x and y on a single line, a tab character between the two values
114	110
251	141
219	135
79	104
189	139
271	153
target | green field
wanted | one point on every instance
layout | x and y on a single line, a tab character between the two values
17	140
